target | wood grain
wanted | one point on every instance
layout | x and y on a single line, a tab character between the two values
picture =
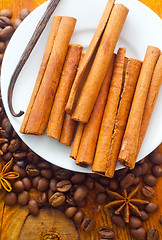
93	210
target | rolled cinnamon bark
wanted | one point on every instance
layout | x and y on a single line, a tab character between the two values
108	121
151	99
74	94
91	129
129	148
41	104
77	140
68	74
100	64
68	130
132	71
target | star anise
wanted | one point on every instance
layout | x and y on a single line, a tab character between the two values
125	202
5	175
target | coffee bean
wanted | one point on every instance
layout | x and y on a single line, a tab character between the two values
81	204
7	156
156	171
147	191
27	183
3	132
4	22
78	217
104	181
127	181
14	134
32	157
136	181
5	148
33	207
19	155
63	186
70	211
135	222
42	200
50	193
114	184
24	13
21	164
106	233
46	173
87	224
16	23
32	170
137	171
99	187
43	184
6	13
145	168
78	178
144	216
80	193
160	220
23	198
152	234
156	158
14	145
53	183
89	182
70	200
118	221
2	47
62	174
101	198
24	147
10	199
57	199
151	207
18	186
150	180
35	181
21	171
44	165
6	33
138	233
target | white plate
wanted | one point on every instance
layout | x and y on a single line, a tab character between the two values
142	28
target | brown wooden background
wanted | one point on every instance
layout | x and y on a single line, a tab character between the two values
102	216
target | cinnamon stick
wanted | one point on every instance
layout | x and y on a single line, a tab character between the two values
77	139
129	148
39	112
68	74
108	121
90	51
155	85
100	64
68	130
131	76
91	129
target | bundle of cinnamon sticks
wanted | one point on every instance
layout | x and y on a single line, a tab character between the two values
101	99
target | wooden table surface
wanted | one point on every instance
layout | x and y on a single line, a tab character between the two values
102	217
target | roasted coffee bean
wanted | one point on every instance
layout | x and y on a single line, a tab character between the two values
6	33
24	13
156	171
14	145
127	181
101	198
43	185
5	147
136	181
10	199
78	217
160	220
35	181
4	22
70	200
70	211
78	178
3	140
53	183
81	203
62	174
94	176
134	222
141	161
151	207
42	200
3	133
46	173
27	183
80	193
99	187
147	191
118	221
44	165
16	23
14	134
32	157
152	234
144	215
33	207
6	13
121	172
18	186
106	233
23	198
63	186
21	171
156	158
24	147
19	155
87	224
150	180
7	156
104	181
89	182
50	193
21	164
137	171
57	199
114	184
32	170
145	168
139	233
